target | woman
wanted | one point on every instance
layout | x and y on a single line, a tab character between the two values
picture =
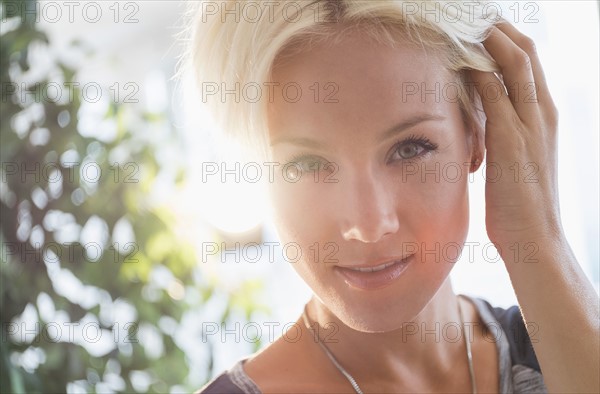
364	105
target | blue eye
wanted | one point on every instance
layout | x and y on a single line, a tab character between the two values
412	147
309	163
409	150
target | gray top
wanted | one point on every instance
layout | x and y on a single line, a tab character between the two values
519	368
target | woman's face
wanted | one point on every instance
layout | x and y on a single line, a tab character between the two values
387	122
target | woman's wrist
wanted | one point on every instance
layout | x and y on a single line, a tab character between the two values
530	246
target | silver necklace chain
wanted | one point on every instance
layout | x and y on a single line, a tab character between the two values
351	379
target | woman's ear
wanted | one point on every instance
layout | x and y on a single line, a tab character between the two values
475	120
476	144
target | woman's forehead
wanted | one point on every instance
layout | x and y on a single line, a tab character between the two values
357	66
355	52
357	81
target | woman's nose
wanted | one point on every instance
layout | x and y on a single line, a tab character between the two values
369	210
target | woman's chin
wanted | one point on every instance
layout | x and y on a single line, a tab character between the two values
377	325
378	318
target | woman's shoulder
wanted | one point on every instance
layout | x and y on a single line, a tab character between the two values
508	324
285	365
519	367
269	368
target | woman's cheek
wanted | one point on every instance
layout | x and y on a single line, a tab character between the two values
439	214
301	214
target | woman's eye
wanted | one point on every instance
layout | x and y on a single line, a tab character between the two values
413	147
408	150
309	164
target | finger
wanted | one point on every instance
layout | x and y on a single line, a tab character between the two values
517	74
498	109
496	103
528	45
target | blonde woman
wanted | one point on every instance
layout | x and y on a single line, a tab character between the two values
364	104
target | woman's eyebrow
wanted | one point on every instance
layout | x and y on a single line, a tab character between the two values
408	123
400	127
300	141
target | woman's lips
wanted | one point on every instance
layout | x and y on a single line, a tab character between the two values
376	279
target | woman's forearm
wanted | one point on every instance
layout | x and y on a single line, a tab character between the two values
561	310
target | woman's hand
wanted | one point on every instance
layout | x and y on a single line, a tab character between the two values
557	300
521	142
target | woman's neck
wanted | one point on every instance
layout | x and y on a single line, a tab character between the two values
428	348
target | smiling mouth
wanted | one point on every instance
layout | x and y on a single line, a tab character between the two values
373	269
375	277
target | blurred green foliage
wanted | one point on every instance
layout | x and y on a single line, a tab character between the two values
36	206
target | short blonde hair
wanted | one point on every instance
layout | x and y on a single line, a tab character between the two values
234	44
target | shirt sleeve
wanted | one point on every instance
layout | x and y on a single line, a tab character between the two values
519	338
222	384
525	372
233	381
